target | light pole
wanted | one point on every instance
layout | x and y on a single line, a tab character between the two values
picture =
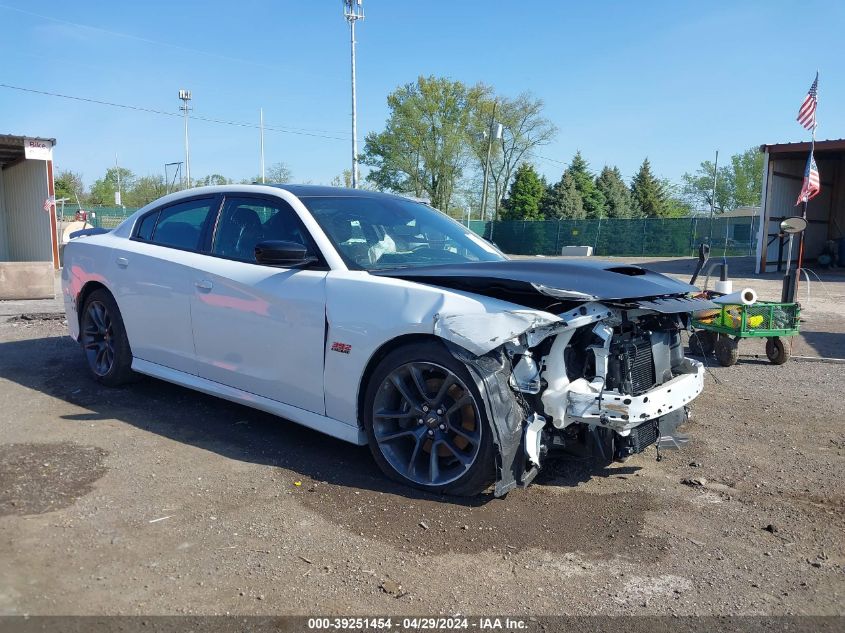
261	117
185	96
353	10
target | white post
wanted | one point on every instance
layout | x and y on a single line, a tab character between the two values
185	96
261	115
354	111
187	151
353	11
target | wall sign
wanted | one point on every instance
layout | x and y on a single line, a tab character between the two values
37	149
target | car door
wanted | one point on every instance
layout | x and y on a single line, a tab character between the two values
260	328
153	280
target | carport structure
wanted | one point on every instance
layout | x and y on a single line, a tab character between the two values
783	174
29	252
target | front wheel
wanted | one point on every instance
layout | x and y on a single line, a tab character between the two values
104	341
426	422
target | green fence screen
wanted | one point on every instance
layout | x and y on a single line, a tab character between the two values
648	237
99	217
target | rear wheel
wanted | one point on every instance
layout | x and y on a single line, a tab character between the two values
104	341
426	424
727	350
702	342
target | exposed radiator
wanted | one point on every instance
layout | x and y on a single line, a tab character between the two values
631	365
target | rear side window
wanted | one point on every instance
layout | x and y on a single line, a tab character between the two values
145	229
181	225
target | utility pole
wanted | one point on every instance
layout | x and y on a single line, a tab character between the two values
353	10
261	116
185	96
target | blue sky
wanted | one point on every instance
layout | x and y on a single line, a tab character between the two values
673	81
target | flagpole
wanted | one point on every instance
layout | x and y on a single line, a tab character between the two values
804	215
806	196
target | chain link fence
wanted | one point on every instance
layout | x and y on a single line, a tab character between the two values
98	217
647	237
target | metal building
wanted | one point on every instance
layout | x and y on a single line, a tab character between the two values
783	175
29	252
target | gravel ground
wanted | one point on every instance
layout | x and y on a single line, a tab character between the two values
153	499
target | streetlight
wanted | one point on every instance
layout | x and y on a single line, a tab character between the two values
353	10
185	96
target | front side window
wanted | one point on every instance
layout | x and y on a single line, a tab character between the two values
180	225
244	222
376	233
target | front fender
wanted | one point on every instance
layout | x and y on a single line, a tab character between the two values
363	312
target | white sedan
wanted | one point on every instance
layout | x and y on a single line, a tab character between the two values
379	320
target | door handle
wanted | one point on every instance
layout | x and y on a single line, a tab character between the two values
122	262
204	284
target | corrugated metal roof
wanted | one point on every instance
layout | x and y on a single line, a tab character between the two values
11	146
828	145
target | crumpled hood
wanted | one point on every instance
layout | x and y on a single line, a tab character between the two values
586	280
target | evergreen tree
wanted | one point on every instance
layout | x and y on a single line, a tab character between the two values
562	200
591	198
616	193
525	195
648	193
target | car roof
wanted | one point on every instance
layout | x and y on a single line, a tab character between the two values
322	191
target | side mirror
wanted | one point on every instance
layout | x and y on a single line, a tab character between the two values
281	253
793	225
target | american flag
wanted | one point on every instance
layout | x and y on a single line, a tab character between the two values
811	187
807	111
48	203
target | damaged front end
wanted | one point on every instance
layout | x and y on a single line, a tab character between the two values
595	367
610	379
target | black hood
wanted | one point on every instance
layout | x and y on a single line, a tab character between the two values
570	280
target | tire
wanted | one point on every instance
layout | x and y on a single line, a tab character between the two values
104	341
440	439
727	351
776	351
702	342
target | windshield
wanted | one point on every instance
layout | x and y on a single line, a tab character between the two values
377	233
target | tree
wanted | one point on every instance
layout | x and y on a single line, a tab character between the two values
740	183
524	128
697	188
562	200
648	194
616	194
144	190
102	191
747	177
68	184
677	206
344	179
422	150
212	179
279	173
525	196
591	197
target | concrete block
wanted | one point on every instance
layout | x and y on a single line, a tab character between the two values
26	280
576	251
